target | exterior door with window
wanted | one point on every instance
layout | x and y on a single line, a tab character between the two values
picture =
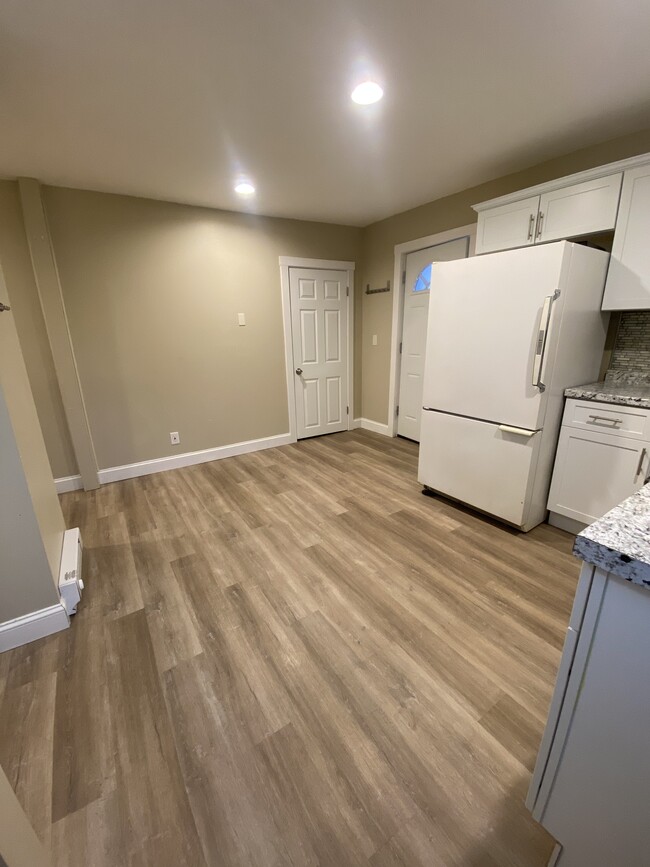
319	326
417	289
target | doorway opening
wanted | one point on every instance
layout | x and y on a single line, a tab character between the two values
410	316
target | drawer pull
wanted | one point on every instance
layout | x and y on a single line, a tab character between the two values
640	466
600	418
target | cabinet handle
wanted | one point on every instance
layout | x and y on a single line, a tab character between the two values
540	220
531	226
597	418
640	466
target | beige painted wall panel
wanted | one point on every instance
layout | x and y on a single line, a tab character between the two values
19	845
152	291
31	521
379	239
26	307
25	577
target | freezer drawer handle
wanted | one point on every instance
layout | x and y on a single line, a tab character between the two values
520	431
541	340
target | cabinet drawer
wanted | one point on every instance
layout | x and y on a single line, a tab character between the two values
625	421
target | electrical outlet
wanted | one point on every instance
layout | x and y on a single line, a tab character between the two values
174	438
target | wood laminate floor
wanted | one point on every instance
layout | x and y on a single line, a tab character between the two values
291	657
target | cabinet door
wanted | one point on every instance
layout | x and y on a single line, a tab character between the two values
597	805
594	472
579	209
628	278
507	226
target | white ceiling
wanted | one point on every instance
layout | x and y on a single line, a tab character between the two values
173	99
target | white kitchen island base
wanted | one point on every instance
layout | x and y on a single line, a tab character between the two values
591	785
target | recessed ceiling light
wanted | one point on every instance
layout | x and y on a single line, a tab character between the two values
244	188
367	92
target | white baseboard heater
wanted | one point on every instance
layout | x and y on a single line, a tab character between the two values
71	584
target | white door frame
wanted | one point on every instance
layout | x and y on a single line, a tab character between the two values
287	262
401	252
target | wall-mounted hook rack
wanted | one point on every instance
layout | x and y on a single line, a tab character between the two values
370	291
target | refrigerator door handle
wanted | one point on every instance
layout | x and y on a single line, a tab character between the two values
540	344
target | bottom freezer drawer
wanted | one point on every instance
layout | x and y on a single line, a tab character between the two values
485	465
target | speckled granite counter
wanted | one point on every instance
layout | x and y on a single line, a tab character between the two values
619	542
622	393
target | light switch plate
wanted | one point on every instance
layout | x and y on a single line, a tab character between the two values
241	318
374	340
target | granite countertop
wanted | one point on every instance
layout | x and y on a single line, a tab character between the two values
622	393
619	542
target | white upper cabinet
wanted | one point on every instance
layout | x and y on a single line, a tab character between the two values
562	212
628	279
580	209
507	226
615	196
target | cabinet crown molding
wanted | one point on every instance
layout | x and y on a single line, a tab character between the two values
567	181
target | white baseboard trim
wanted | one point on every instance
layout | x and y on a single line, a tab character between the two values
569	525
68	483
188	459
29	627
368	424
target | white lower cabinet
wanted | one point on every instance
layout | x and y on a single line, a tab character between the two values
591	780
595	470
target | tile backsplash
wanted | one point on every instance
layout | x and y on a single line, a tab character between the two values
631	353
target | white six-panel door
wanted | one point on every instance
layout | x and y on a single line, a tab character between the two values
319	326
414	329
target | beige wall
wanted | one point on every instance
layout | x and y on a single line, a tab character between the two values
26	583
31	521
19	845
152	292
377	256
26	308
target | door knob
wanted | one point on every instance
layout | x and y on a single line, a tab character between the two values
298	371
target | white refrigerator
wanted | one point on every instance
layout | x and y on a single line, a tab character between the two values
507	333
